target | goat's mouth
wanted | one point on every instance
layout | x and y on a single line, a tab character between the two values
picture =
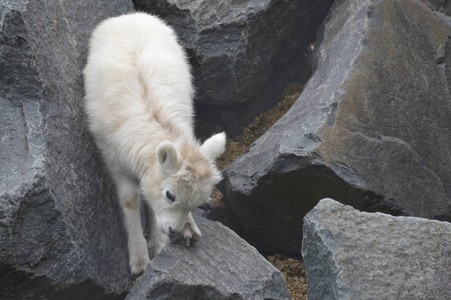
179	237
172	233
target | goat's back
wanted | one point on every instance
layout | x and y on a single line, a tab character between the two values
137	79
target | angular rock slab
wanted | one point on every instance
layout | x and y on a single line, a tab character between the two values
60	228
220	266
372	127
243	53
349	254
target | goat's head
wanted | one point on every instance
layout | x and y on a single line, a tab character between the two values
184	178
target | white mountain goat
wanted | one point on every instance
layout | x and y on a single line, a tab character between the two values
140	112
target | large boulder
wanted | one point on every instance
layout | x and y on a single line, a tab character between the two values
220	266
350	254
243	53
60	228
372	127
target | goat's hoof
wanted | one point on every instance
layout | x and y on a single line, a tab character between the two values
190	234
139	265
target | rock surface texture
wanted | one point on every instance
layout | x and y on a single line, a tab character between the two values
372	127
243	53
443	6
220	266
60	229
353	255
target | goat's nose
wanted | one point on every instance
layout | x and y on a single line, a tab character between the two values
171	231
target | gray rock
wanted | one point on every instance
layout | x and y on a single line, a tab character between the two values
353	255
372	127
220	266
443	6
60	228
243	53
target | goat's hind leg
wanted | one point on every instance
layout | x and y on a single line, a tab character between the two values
130	203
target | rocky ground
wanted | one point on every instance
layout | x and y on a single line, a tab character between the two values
293	270
291	267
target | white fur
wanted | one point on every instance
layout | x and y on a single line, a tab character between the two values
214	146
140	112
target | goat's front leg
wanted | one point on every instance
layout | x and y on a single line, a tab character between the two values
157	238
137	245
190	232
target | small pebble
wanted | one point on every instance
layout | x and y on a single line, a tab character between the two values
279	264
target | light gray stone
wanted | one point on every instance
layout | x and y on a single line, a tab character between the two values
220	266
243	53
350	254
60	228
371	129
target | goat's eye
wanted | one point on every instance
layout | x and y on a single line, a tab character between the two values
170	196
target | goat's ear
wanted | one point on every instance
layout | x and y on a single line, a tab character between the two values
214	146
167	157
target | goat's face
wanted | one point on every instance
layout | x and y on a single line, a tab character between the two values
185	177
